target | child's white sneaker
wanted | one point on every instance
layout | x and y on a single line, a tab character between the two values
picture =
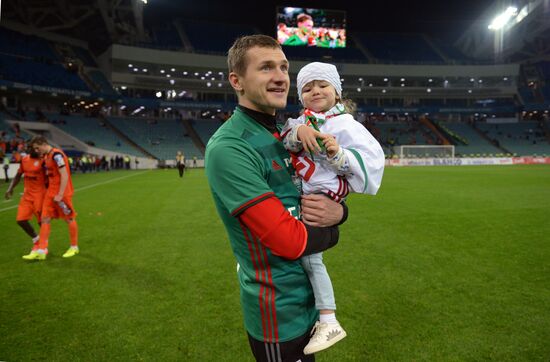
324	336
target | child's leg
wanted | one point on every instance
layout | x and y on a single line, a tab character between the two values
320	282
327	331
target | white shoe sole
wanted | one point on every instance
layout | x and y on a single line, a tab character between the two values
327	344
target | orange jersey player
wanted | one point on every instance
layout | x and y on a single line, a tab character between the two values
58	200
32	168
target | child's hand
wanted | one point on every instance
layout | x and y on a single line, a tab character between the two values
308	136
331	145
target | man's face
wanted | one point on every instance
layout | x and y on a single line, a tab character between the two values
40	149
264	86
306	25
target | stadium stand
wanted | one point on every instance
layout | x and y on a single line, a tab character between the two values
32	60
401	133
92	131
524	138
162	138
477	145
27	71
205	128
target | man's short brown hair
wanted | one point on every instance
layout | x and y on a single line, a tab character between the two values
303	17
38	140
236	56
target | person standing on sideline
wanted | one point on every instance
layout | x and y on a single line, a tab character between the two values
253	186
180	162
5	161
32	168
58	201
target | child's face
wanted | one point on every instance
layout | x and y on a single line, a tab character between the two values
319	96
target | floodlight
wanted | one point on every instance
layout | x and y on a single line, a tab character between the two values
501	20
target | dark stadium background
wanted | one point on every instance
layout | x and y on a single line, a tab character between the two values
448	262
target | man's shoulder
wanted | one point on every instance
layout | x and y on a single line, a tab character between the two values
57	150
232	131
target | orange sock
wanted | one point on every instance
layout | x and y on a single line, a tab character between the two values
73	233
44	235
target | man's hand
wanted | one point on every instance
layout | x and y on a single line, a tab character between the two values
58	198
8	194
319	210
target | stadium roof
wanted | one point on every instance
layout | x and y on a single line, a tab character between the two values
445	19
102	22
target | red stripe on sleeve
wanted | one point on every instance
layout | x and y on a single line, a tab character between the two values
276	228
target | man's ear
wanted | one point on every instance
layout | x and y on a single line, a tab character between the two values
235	82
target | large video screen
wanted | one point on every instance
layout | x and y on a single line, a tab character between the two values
311	27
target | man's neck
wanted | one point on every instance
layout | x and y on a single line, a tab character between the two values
267	120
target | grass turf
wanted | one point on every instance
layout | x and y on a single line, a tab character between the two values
445	263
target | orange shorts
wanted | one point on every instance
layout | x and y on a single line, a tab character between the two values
52	210
29	206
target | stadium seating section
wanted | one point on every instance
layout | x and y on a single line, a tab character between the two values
477	145
162	138
93	132
522	138
32	60
24	70
205	128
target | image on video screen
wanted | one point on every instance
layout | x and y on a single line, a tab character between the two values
311	27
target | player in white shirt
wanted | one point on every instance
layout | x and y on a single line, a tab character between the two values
333	154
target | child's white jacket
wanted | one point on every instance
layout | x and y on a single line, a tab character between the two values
363	165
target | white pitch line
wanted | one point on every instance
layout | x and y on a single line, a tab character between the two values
89	186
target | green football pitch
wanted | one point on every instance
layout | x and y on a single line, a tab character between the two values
444	264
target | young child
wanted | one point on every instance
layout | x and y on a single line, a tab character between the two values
333	154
